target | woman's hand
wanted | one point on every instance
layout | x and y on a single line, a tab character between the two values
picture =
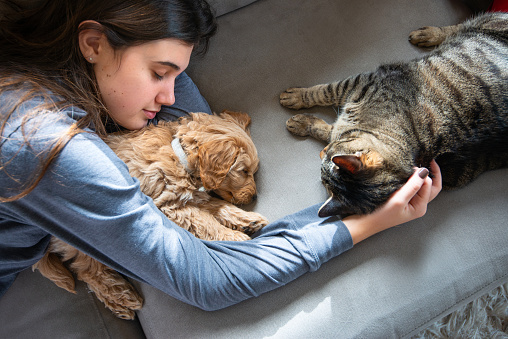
408	203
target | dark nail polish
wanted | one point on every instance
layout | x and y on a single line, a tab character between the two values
423	173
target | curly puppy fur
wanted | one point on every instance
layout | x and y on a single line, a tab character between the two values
221	158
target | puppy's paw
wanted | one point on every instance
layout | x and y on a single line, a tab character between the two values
244	221
123	312
123	305
254	222
293	98
235	236
117	294
300	124
131	299
427	37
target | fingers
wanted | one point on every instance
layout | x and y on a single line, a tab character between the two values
437	183
413	187
418	202
420	189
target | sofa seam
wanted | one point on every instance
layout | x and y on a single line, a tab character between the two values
91	295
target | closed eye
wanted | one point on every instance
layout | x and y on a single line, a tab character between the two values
158	76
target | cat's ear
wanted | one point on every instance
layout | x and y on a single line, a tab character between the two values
332	206
350	163
354	163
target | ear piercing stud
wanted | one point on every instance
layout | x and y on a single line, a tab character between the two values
90	58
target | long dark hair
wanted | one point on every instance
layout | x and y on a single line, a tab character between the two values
39	50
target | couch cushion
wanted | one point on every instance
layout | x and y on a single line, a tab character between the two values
35	307
222	7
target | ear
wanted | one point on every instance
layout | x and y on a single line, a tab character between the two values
349	163
355	163
323	152
239	118
215	160
331	207
91	40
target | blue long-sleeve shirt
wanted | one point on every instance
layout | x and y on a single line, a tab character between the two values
88	199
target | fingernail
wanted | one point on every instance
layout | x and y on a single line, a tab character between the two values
423	173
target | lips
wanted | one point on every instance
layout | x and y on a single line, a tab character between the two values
150	114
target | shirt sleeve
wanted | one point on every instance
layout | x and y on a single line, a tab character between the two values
89	200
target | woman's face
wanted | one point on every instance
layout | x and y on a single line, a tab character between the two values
137	81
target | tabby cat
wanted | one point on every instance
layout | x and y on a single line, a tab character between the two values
451	105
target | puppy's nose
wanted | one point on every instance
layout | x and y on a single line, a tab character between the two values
254	197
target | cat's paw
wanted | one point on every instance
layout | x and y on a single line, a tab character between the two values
300	124
293	98
427	37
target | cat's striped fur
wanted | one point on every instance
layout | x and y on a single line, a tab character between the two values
451	105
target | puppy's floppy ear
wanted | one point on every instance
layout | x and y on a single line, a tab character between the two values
215	160
241	119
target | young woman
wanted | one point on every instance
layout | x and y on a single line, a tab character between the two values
71	71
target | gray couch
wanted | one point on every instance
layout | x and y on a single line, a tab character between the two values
393	284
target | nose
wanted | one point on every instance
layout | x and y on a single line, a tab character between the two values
166	95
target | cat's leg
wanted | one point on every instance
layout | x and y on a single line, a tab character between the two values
234	217
308	125
199	221
333	94
319	95
108	285
432	36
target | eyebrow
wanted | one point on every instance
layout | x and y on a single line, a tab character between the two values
170	64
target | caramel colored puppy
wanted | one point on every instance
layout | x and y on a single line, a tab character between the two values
178	164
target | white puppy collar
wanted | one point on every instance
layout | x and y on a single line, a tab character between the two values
182	156
180	153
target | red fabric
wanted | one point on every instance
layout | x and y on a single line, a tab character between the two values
499	6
